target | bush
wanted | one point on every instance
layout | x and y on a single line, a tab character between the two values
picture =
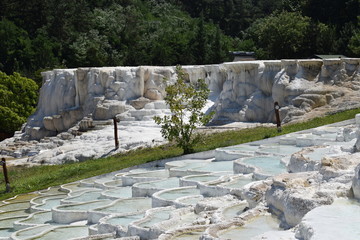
185	102
18	98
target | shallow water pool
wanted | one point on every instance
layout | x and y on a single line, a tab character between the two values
254	227
280	149
267	164
157	217
161	184
174	194
125	220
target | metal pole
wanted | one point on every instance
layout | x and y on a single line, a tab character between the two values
277	115
3	163
116	133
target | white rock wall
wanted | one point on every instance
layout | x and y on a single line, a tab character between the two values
241	91
357	144
356	179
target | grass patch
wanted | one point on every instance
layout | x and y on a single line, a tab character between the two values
28	179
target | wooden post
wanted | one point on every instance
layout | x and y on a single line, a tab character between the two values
277	115
116	133
3	163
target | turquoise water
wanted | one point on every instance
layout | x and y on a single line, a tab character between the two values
66	233
280	149
84	206
267	164
150	174
6	232
124	206
191	200
219	166
125	220
6	226
28	232
113	183
157	217
8	222
39	218
50	203
184	163
330	136
161	184
173	194
318	153
202	178
252	228
121	192
242	148
85	197
190	166
238	183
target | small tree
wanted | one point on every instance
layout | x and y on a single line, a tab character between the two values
185	102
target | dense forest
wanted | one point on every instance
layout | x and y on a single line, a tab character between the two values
42	34
36	35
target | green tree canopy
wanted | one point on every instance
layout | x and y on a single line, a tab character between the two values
15	48
18	98
281	35
45	34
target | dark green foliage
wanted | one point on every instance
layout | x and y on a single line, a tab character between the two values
289	29
200	42
102	33
18	97
15	48
45	34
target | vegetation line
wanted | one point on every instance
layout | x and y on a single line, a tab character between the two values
28	179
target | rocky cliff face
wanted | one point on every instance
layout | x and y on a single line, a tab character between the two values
240	91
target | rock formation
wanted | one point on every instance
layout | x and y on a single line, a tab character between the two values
240	91
356	180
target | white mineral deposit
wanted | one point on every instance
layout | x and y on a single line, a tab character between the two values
304	185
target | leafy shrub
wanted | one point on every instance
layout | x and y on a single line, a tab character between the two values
18	98
185	101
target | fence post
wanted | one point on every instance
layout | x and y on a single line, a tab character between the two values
116	133
7	183
277	115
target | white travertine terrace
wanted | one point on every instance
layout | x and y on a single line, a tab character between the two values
240	91
73	120
309	180
356	180
304	185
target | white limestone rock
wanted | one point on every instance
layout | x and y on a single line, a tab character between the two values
240	91
86	124
337	221
49	123
291	196
254	192
312	159
356	183
139	103
357	144
214	203
108	109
